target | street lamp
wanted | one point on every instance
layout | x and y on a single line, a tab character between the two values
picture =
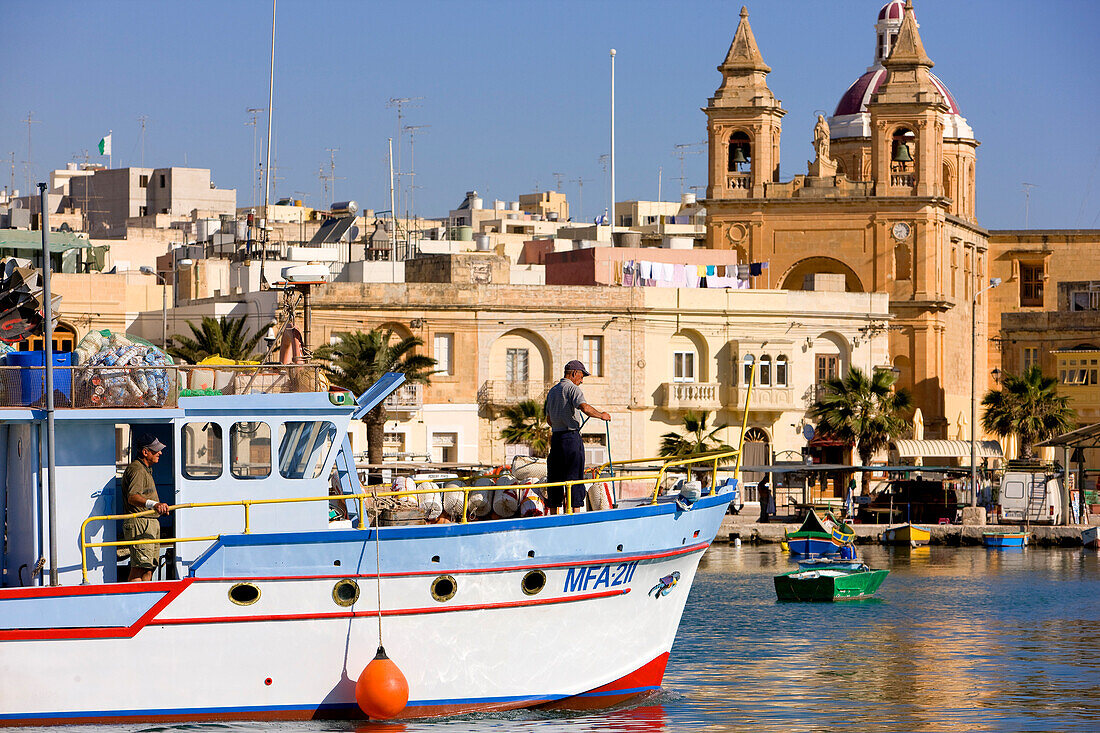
993	282
163	305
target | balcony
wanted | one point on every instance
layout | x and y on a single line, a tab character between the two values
407	398
691	396
764	399
502	393
739	184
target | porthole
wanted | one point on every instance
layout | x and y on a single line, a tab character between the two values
345	592
244	594
444	588
533	582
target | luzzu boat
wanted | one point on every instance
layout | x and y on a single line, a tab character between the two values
907	535
820	535
269	610
1005	539
829	584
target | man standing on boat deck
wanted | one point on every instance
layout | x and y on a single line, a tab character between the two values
140	494
564	404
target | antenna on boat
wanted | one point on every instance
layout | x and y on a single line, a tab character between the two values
267	167
47	338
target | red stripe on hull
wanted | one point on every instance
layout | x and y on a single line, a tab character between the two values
642	681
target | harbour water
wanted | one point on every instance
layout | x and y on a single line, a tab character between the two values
957	638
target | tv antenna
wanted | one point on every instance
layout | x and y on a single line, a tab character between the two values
253	123
400	103
143	119
1027	200
683	150
557	177
580	197
332	169
30	121
413	131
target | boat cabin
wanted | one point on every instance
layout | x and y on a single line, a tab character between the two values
219	448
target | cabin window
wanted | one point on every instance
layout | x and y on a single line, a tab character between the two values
304	448
250	450
202	450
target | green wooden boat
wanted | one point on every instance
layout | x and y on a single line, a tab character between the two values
829	584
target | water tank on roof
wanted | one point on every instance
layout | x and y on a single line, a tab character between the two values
477	203
306	274
498	205
630	239
513	205
687	199
462	234
481	241
345	208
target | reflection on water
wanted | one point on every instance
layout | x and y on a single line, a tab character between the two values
955	639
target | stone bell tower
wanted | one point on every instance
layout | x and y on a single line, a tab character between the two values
743	122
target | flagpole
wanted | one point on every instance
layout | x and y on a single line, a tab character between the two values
612	159
110	152
267	168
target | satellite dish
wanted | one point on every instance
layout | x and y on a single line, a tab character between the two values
353	233
808	431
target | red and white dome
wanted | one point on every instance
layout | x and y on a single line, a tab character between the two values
851	118
893	10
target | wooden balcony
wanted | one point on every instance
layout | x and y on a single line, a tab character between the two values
695	396
502	393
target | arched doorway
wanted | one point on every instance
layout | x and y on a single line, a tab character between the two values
756	452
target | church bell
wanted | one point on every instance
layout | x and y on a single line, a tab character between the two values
901	153
738	155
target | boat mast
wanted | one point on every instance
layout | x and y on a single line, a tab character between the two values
267	166
47	337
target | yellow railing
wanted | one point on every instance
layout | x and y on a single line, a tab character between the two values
360	498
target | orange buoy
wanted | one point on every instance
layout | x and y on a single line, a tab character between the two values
381	690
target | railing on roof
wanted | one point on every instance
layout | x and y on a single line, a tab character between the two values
150	386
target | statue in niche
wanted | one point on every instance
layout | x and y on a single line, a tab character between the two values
822	166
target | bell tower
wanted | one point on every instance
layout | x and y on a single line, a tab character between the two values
907	119
743	123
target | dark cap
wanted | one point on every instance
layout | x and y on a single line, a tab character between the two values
153	444
576	366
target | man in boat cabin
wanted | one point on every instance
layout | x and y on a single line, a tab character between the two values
564	404
139	492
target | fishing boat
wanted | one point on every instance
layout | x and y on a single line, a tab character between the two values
812	563
907	535
266	607
829	584
820	535
1005	539
1089	537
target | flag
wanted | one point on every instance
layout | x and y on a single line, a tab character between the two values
105	145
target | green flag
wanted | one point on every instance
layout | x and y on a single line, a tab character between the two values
105	145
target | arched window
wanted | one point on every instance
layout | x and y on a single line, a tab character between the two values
749	360
781	371
903	157
764	373
739	153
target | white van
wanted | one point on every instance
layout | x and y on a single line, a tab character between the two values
1030	496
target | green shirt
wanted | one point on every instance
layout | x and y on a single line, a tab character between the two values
138	480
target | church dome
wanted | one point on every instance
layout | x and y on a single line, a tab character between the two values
892	10
851	118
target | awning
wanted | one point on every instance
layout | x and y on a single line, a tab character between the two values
946	448
1087	436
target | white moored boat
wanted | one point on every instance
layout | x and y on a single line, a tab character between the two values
269	610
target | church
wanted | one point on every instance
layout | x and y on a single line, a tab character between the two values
887	203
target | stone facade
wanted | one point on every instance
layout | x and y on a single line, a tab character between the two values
888	226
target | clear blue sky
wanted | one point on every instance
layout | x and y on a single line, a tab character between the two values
516	91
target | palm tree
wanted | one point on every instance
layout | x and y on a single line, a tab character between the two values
226	337
1029	406
527	426
695	441
359	359
865	412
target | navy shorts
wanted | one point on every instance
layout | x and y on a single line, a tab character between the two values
565	462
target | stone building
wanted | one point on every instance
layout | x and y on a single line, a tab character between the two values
887	203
